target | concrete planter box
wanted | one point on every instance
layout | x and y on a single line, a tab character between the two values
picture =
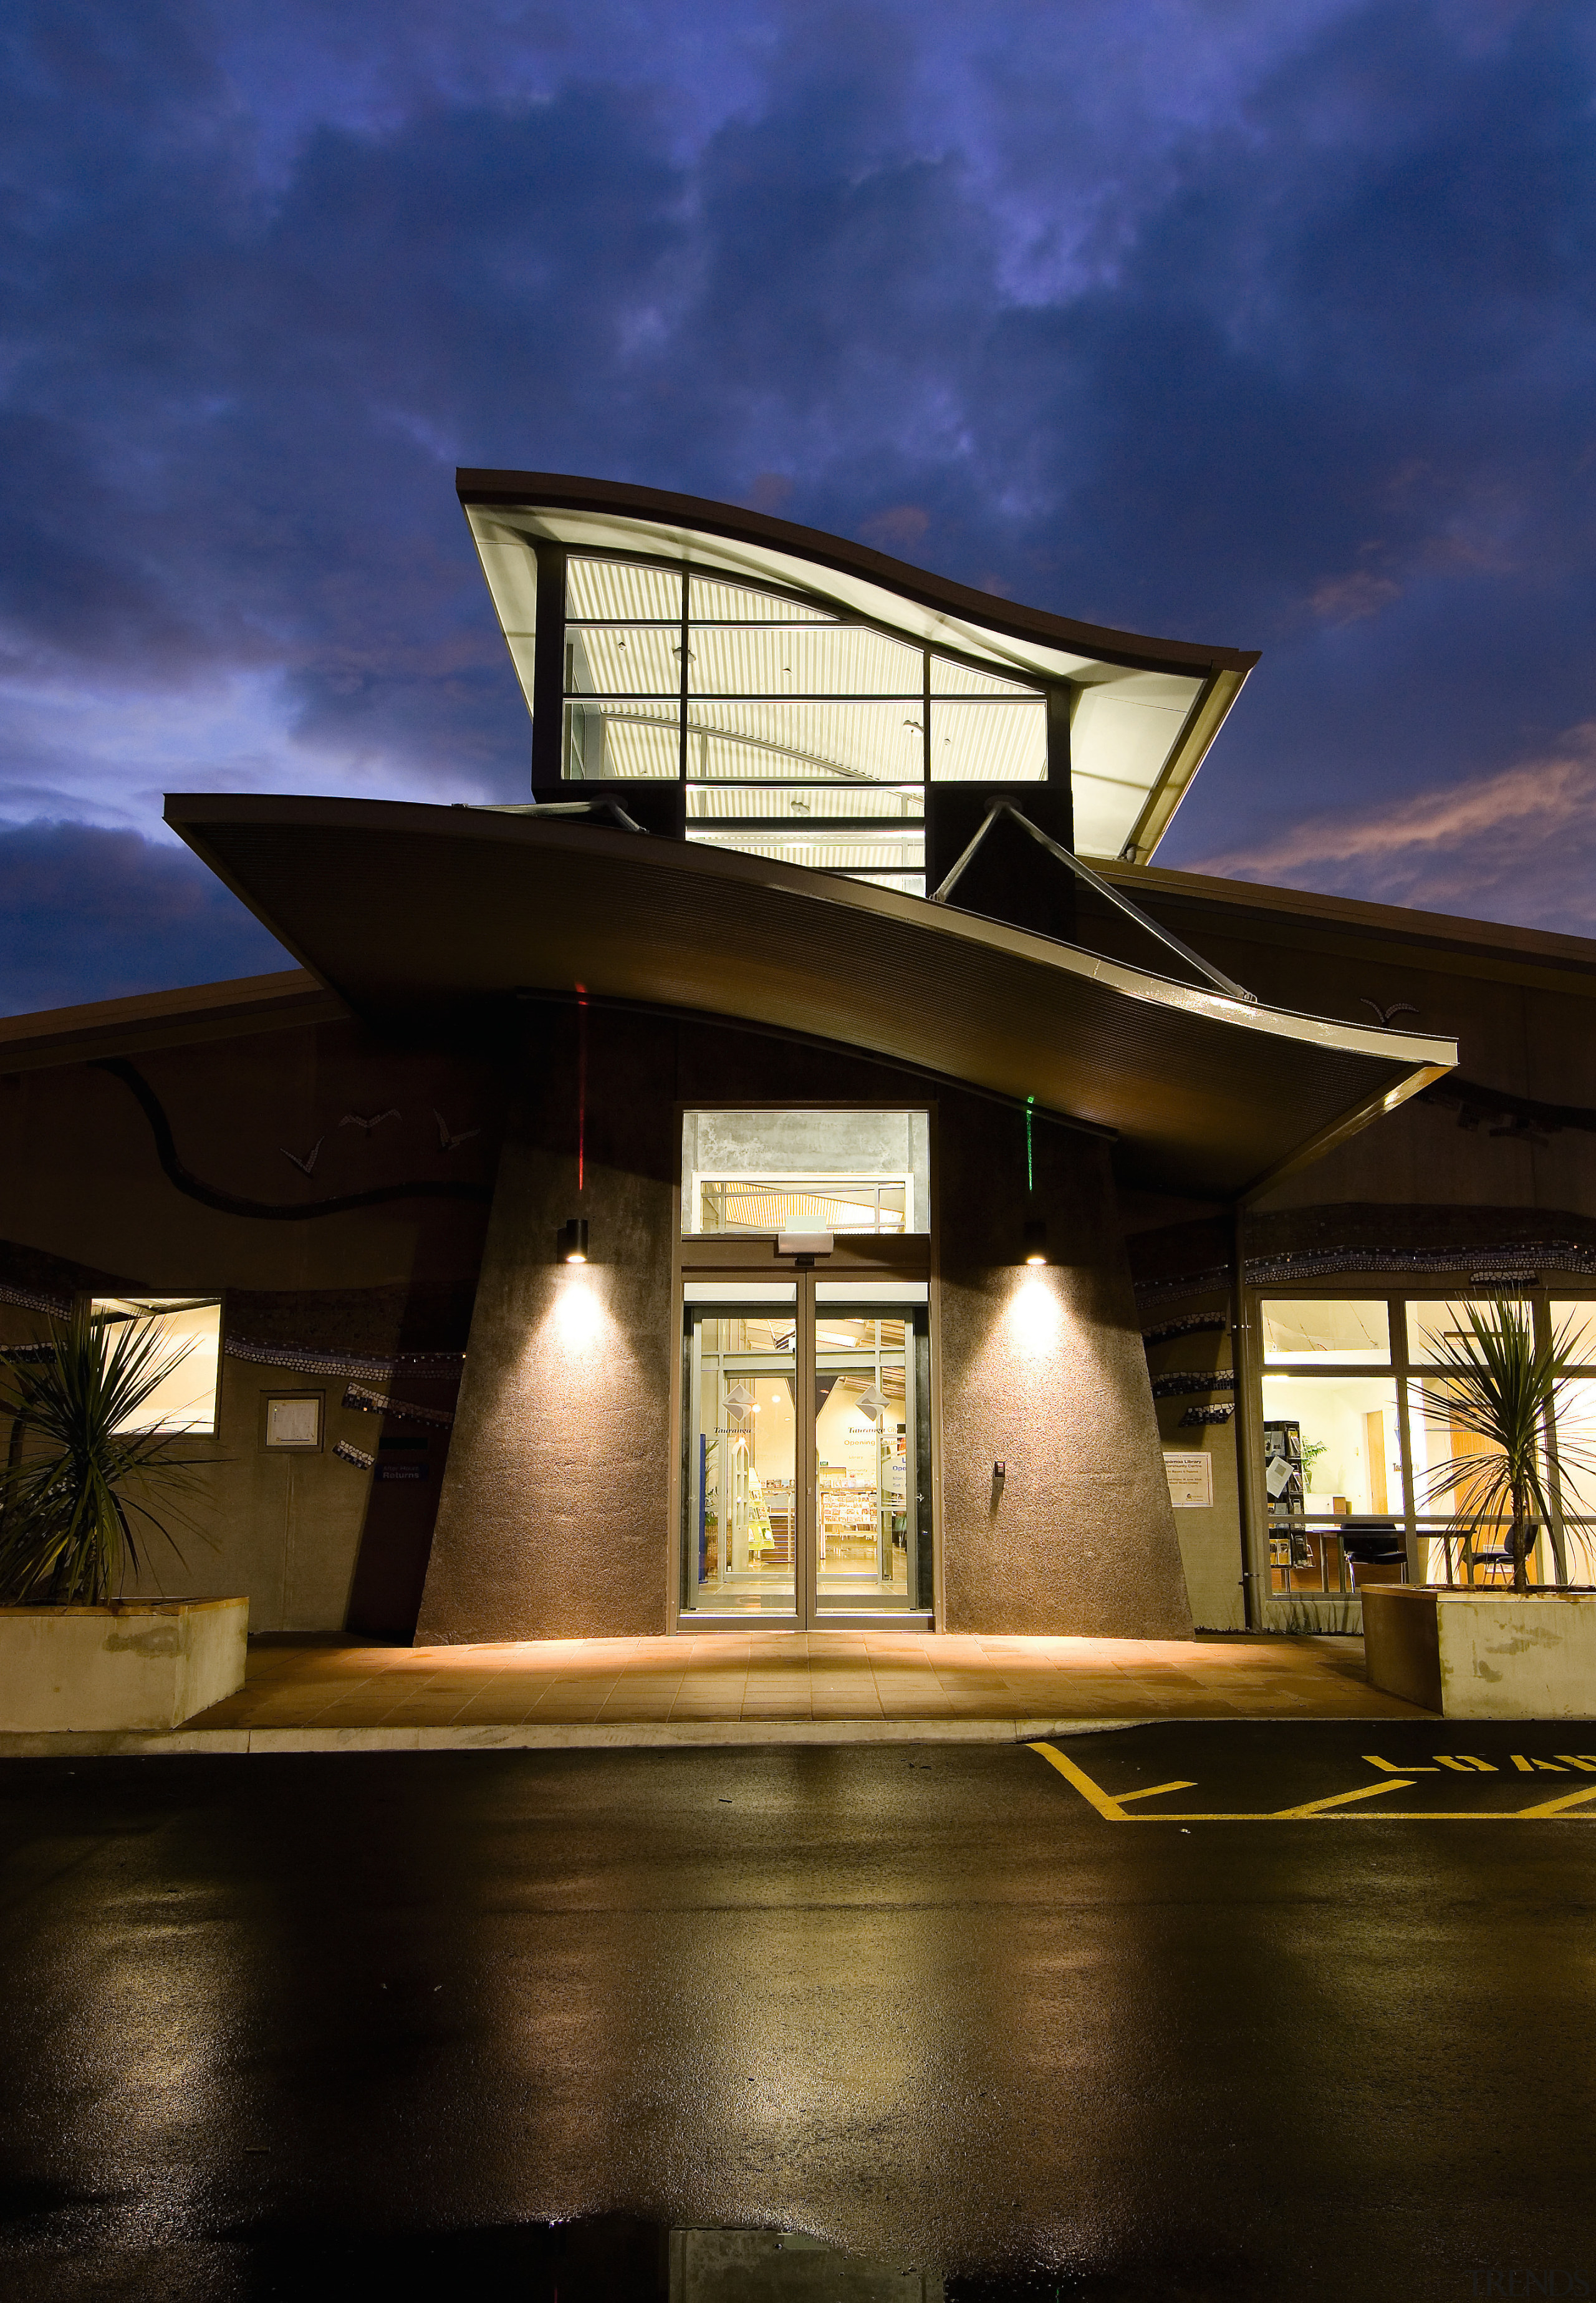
134	1662
1483	1654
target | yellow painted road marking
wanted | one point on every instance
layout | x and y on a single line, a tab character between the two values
1339	1808
1373	1761
1109	1808
1341	1799
1561	1806
1584	1762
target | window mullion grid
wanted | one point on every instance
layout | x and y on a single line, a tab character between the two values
1396	1307
925	715
682	687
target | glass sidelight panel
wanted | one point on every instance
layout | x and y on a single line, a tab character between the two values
871	1493
1334	1479
740	1547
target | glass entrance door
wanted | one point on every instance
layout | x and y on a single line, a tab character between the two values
806	1455
741	1385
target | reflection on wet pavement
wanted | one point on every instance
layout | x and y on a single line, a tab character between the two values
543	2025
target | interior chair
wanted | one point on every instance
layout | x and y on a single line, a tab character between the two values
1500	1555
1372	1543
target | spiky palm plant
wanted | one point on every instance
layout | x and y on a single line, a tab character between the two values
78	1495
1502	1390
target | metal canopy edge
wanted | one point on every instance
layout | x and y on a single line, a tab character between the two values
504	491
410	912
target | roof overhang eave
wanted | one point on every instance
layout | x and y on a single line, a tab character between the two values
406	910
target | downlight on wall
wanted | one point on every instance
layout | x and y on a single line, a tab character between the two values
1036	1241
573	1241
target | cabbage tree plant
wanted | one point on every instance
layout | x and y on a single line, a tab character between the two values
91	1482
1499	1388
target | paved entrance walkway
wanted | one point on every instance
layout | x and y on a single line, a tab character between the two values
752	1687
758	1686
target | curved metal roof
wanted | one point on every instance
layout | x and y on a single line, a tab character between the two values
1145	710
413	912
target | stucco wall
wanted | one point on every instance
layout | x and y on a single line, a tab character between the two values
553	1523
1042	1369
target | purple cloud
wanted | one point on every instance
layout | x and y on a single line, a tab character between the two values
1272	328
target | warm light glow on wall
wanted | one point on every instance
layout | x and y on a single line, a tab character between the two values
578	1315
1036	1315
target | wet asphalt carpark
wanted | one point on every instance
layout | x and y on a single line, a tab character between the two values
500	2022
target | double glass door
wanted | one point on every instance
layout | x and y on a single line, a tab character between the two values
806	1484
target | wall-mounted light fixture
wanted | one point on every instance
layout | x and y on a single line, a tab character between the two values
573	1241
1036	1241
804	1246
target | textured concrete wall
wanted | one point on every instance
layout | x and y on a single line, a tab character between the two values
1044	1369
552	1523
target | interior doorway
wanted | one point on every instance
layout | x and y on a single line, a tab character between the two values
806	1452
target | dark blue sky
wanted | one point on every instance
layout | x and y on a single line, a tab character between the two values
1265	322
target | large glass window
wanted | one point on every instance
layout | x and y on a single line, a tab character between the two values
188	1335
1334	1480
1358	1439
803	736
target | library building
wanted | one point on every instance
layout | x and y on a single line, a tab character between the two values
808	1162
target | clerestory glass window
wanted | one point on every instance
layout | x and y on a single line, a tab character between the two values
839	1171
802	659
803	736
621	591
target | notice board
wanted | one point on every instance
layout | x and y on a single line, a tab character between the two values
1190	1475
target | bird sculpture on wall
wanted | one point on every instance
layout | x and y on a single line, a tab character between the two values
307	1165
354	1118
448	1142
1384	1015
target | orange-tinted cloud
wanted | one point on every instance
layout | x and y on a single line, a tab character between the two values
1516	844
